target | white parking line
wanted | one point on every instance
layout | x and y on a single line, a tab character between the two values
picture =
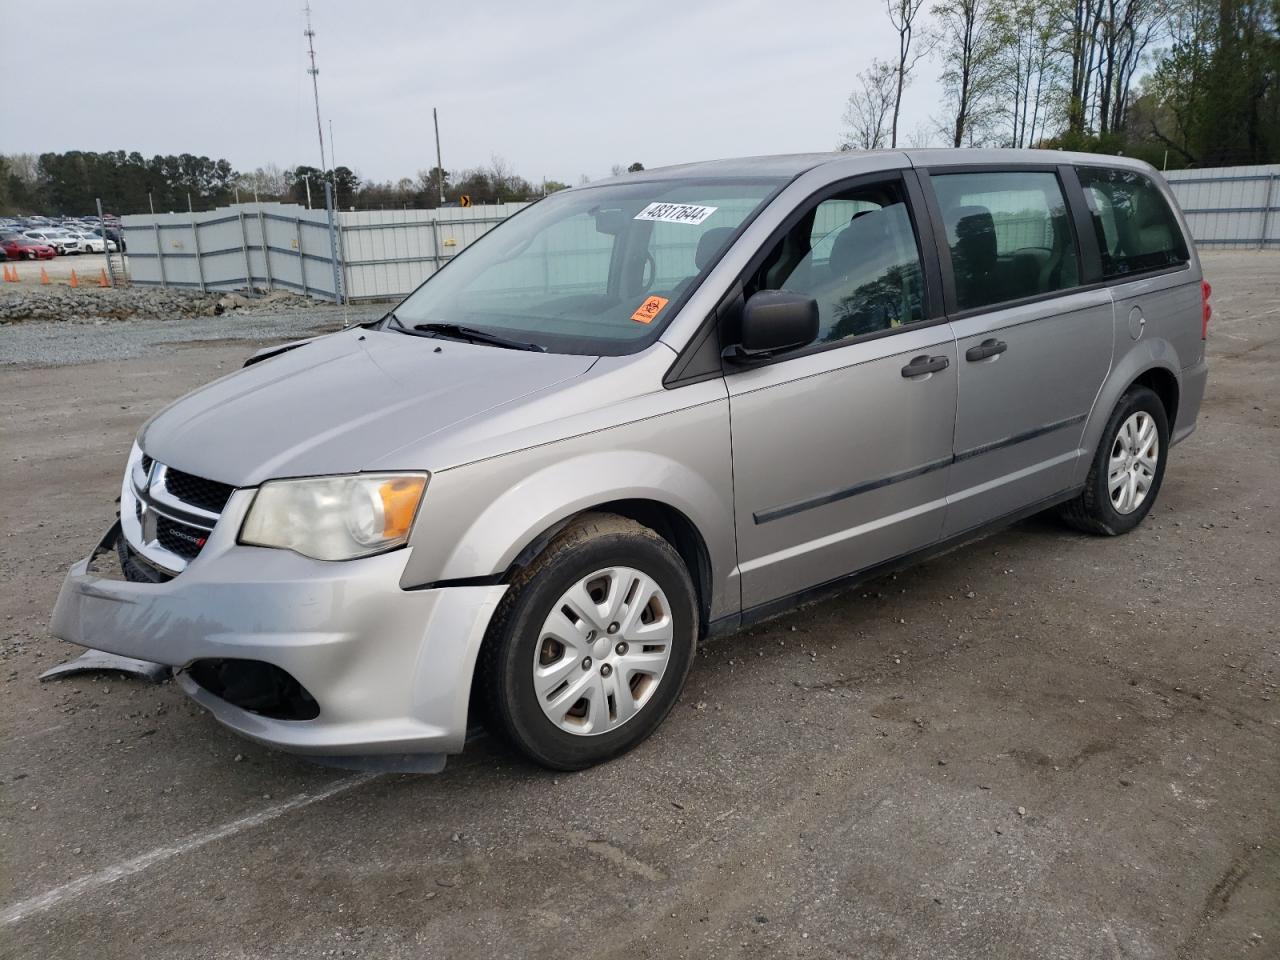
127	868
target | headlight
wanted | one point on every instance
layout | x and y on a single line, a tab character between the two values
335	518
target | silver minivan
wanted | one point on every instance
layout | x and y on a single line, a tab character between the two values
638	414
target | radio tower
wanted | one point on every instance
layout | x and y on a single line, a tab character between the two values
315	85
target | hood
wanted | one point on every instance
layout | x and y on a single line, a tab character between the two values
339	403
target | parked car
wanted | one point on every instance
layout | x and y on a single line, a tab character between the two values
62	243
19	246
114	237
641	413
91	242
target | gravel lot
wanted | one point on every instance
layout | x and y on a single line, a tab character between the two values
78	342
1044	745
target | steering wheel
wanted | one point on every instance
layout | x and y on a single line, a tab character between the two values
652	269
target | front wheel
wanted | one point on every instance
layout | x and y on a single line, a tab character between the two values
589	649
1127	469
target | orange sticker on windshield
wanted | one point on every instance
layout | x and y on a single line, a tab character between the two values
649	309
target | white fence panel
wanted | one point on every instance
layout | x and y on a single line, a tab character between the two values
384	254
1230	206
260	245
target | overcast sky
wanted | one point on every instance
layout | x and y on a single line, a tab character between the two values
558	89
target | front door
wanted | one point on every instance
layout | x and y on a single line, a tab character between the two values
1033	348
841	452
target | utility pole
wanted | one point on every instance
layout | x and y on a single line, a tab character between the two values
435	119
315	84
333	155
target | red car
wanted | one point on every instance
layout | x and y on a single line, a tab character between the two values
18	247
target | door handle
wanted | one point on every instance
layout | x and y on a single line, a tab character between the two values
985	350
924	364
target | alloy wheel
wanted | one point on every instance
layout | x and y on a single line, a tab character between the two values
1131	470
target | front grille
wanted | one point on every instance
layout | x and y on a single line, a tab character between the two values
171	517
179	538
197	491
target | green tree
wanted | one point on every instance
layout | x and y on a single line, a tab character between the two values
1241	123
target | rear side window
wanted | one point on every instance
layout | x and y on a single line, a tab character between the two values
1135	228
1009	235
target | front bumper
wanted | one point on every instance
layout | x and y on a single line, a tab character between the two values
389	668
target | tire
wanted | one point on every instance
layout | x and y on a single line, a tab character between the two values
620	704
1099	510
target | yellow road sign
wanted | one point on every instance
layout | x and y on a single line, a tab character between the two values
464	201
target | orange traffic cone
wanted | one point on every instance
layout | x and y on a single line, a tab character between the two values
8	277
44	277
102	278
13	274
75	281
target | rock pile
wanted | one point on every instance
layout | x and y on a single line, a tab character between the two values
137	302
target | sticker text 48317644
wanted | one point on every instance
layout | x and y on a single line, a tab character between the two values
690	213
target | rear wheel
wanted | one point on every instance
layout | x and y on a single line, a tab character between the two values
1127	469
589	649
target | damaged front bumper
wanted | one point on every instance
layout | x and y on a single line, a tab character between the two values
388	670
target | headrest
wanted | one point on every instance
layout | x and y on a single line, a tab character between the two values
711	243
975	238
865	236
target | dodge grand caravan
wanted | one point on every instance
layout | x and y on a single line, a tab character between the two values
637	414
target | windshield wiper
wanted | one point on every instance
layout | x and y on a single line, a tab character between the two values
458	332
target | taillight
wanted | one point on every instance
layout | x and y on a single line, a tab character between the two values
1206	311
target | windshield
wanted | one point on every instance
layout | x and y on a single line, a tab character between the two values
596	270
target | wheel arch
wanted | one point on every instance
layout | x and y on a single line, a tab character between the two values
664	519
1162	382
1151	364
521	512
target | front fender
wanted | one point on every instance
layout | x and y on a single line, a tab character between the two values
477	519
556	492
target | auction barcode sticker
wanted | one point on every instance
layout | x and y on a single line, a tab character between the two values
675	213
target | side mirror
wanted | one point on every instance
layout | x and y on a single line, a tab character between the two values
773	322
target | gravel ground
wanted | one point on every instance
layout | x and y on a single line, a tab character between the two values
58	343
1044	745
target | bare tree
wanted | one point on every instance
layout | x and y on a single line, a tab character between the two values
968	39
266	183
500	174
24	166
1029	65
1128	29
866	116
903	15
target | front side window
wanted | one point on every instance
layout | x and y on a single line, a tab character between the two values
594	270
856	255
1009	235
1135	228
